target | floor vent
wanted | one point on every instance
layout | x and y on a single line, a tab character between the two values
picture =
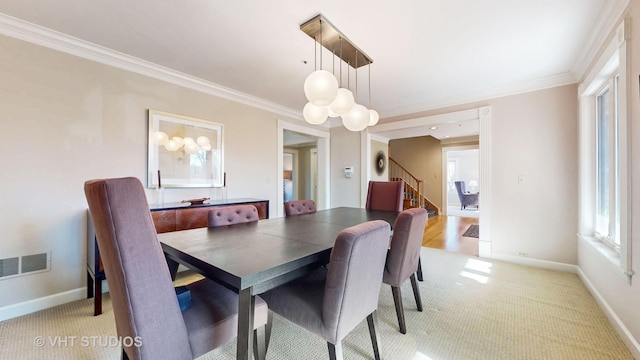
25	265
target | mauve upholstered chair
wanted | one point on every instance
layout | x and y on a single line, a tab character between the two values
331	301
385	195
299	207
403	256
142	293
389	196
466	198
229	215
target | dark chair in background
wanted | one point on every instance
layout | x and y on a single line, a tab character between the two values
403	257
385	195
229	215
466	198
299	207
144	301
331	301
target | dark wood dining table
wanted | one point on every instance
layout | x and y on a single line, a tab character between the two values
254	257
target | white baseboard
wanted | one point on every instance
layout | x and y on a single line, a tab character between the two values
30	306
545	264
626	336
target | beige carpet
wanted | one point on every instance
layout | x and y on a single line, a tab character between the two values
473	309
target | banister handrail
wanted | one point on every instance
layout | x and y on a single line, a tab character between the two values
405	170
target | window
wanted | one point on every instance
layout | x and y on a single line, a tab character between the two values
604	154
607	195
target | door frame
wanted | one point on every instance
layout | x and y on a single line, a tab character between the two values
324	154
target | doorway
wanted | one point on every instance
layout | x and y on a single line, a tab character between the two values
461	165
300	166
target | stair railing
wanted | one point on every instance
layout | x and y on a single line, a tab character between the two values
413	188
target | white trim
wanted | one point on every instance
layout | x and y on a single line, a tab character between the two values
611	13
457	116
45	302
627	337
365	165
39	35
526	261
324	156
482	95
484	243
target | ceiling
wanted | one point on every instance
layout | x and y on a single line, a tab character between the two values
426	53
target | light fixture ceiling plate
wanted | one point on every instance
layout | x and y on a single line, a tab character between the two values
330	39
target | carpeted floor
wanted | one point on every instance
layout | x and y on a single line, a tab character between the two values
473	309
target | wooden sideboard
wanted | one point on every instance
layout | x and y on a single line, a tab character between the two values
166	218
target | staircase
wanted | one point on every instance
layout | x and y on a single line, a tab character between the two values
413	188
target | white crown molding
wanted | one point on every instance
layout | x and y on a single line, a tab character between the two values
611	13
42	36
482	95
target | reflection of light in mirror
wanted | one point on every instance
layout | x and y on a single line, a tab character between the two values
203	141
477	277
160	138
172	145
420	356
478	265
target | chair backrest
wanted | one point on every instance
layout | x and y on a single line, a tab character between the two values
299	207
144	300
354	277
229	215
402	258
385	195
460	187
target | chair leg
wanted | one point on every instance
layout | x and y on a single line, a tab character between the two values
416	292
335	351
124	355
268	328
372	321
397	300
420	278
259	343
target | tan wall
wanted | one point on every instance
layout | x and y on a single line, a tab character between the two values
345	151
65	120
421	156
304	172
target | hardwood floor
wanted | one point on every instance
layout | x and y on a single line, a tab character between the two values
445	232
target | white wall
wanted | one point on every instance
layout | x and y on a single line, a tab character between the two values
535	135
65	120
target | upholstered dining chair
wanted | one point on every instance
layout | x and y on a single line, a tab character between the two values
331	301
229	215
389	196
385	195
403	256
299	207
144	301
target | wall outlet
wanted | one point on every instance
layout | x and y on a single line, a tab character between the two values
523	253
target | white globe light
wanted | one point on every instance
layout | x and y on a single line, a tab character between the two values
191	147
206	147
315	114
357	119
178	140
188	141
321	87
373	117
331	113
202	140
160	138
343	102
171	145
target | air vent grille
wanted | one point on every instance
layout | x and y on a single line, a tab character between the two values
24	265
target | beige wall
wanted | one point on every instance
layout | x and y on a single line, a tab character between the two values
345	151
422	156
65	120
304	172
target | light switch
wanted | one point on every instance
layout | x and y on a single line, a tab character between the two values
520	179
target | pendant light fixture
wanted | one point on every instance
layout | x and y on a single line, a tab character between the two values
326	97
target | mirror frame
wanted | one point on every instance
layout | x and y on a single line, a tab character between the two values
155	119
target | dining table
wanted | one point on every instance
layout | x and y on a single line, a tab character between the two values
251	258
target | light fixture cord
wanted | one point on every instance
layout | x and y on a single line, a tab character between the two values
321	44
341	61
356	74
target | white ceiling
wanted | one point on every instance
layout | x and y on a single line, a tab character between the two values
426	53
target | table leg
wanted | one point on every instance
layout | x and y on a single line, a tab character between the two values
173	267
246	308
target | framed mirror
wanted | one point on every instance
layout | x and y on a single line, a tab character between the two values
184	152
